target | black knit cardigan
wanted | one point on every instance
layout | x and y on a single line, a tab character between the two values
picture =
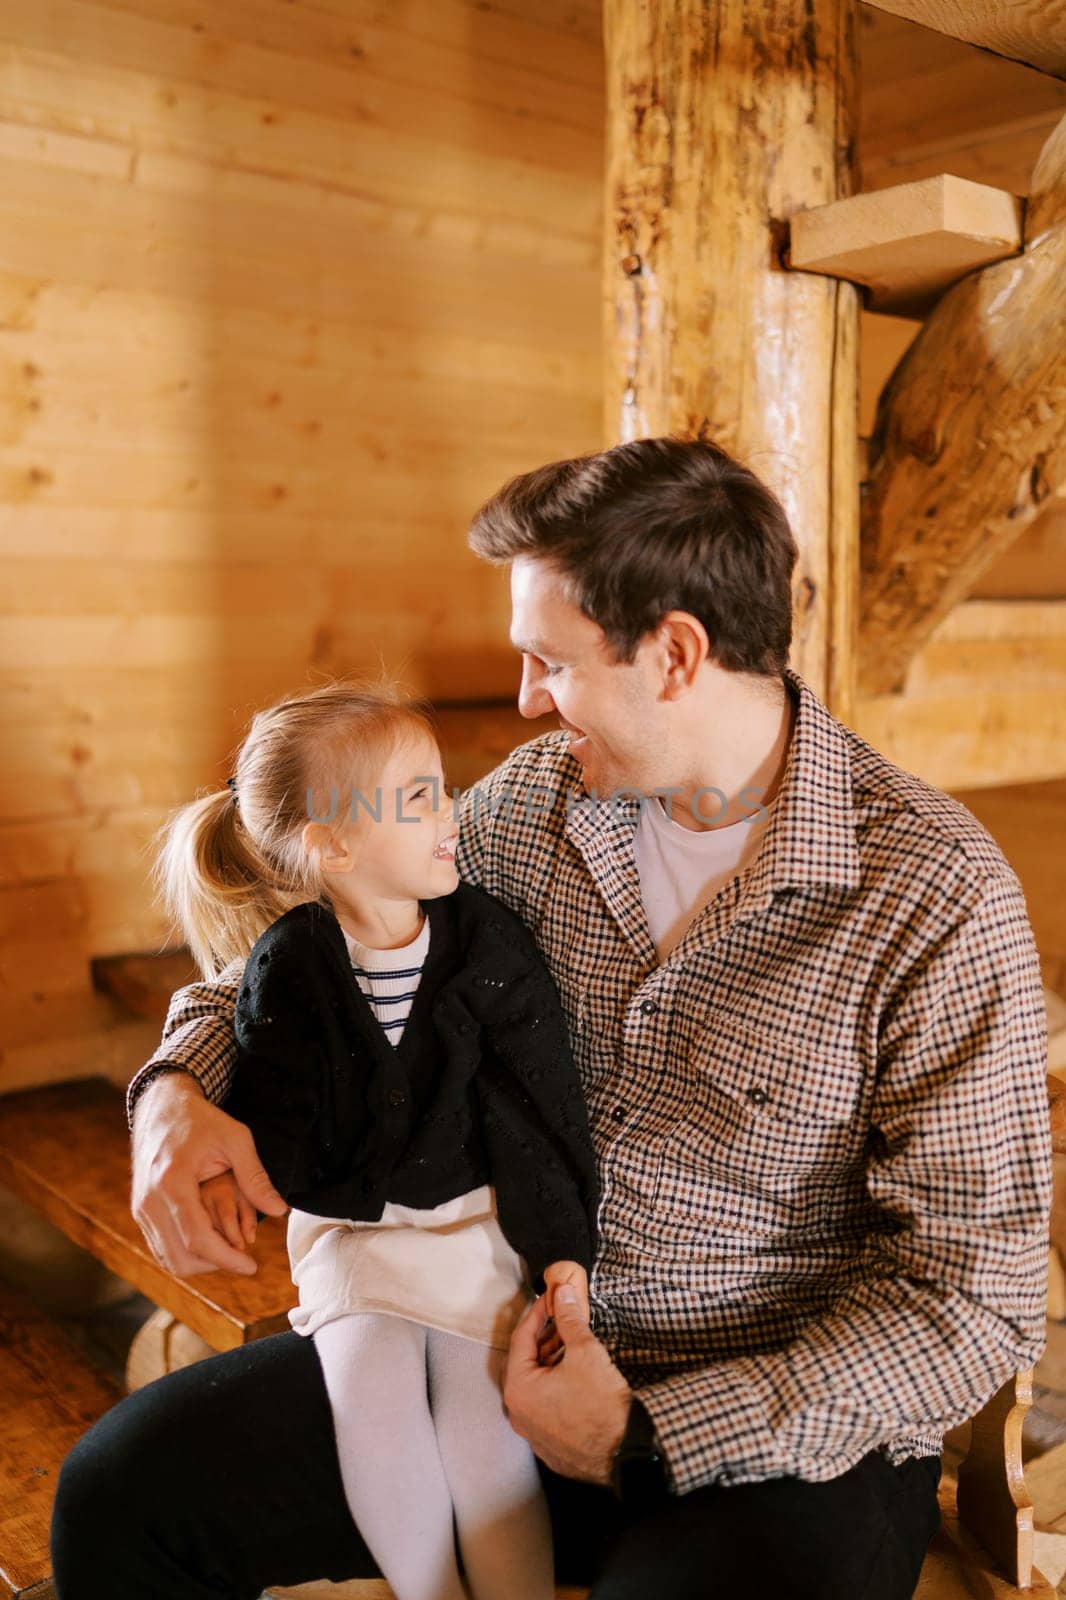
482	1087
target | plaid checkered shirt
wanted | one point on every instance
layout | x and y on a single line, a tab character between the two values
821	1123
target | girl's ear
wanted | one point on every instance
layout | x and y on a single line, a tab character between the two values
332	852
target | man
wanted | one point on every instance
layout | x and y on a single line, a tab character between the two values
807	1010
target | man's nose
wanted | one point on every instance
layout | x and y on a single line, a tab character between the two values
534	700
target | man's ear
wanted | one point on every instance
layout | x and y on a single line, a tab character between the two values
685	647
332	852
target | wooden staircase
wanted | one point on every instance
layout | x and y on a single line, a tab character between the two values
968	455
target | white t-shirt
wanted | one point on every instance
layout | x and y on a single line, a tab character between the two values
682	869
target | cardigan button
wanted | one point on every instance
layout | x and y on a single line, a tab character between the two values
649	1007
758	1095
397	1097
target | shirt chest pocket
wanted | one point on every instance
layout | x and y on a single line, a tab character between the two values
770	1137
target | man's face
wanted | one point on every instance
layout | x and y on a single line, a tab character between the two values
610	709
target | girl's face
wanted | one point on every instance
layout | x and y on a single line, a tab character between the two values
402	837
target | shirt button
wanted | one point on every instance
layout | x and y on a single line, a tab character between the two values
397	1097
758	1096
649	1007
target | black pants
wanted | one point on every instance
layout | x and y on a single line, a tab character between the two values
221	1478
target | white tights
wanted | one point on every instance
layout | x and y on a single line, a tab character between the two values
421	1432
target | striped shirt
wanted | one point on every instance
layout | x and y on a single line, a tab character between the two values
821	1122
389	978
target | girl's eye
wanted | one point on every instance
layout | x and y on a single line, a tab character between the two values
550	672
418	794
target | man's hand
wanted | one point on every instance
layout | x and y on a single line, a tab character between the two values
573	1413
179	1140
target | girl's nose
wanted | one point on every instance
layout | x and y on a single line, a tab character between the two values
446	806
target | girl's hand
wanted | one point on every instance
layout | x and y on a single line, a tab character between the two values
231	1214
550	1347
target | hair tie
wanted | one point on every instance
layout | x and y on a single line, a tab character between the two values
231	784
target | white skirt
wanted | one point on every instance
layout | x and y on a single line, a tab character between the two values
448	1267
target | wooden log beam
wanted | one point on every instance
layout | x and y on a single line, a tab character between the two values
724	120
1030	31
970	439
1034	567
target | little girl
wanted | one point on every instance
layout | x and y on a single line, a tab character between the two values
405	1070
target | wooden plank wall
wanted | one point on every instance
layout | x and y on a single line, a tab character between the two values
285	291
286	287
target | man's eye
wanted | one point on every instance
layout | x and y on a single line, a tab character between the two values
550	671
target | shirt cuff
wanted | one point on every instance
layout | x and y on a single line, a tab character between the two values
712	1426
146	1075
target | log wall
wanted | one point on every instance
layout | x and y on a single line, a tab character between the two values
285	291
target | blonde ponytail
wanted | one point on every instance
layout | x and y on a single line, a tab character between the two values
229	864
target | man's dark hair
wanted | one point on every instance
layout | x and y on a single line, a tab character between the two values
655	526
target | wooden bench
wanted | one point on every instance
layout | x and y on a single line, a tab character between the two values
65	1150
49	1395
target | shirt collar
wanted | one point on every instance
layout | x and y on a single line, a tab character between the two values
810	839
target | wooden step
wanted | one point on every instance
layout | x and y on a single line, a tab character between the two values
1032	31
908	244
984	701
50	1394
65	1149
144	984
